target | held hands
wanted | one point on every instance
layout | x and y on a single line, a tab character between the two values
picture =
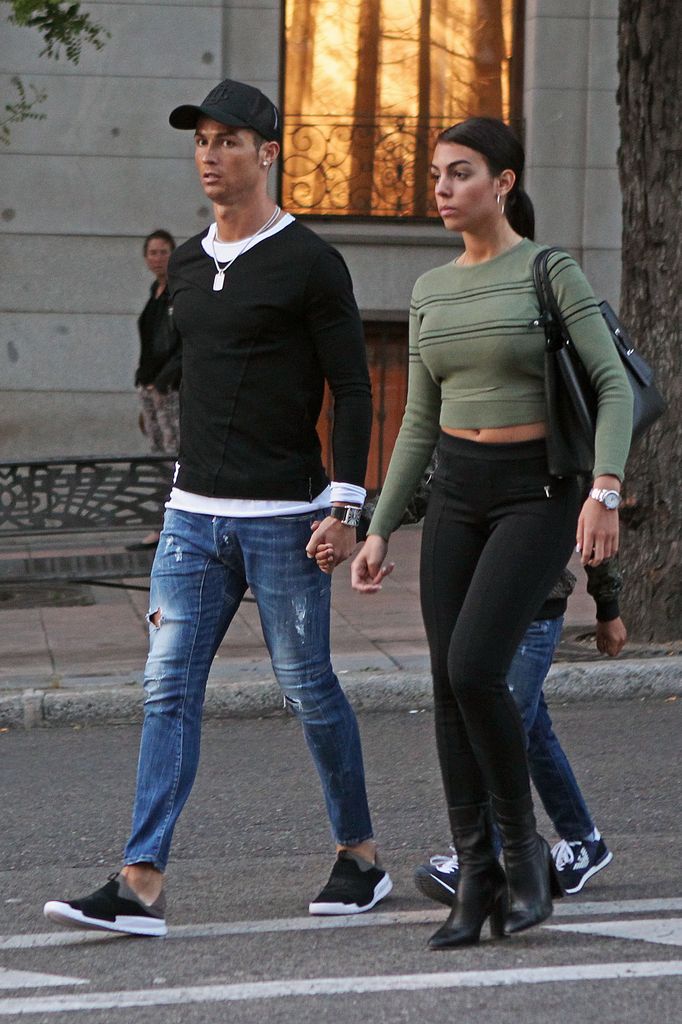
611	637
331	542
367	570
597	536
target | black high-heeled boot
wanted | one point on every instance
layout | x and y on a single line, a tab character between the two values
481	885
528	864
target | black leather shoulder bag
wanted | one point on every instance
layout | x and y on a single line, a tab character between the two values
570	399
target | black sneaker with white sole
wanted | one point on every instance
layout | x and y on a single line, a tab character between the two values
114	907
355	885
438	878
577	861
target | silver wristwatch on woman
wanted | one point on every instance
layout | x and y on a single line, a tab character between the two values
609	499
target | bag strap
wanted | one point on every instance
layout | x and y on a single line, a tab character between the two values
556	334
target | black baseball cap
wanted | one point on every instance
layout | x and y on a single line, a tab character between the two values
233	103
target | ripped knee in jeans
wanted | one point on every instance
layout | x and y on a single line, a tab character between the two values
155	618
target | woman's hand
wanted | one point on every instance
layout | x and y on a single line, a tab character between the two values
367	570
597	536
325	558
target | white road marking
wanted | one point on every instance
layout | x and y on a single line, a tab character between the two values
593	908
32	979
563	908
665	932
338	986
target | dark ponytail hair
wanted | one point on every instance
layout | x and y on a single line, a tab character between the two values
502	151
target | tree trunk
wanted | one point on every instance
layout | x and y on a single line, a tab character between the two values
422	160
488	48
365	108
650	43
300	56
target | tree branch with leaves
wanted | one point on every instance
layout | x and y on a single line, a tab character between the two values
64	29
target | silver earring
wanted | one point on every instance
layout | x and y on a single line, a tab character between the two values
265	163
500	203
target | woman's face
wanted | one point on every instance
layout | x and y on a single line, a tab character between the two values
465	189
156	257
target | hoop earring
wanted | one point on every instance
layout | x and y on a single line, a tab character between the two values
500	204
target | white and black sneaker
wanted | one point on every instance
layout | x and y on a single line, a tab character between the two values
114	907
577	861
355	885
438	878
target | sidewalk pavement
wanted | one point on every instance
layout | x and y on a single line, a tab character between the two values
83	664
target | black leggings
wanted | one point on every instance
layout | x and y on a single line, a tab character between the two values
497	533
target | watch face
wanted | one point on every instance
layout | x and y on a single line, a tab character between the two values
612	499
348	515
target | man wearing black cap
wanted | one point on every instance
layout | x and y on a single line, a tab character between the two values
266	312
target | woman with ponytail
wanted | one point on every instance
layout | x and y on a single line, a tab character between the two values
499	528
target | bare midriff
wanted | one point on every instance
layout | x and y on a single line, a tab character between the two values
500	435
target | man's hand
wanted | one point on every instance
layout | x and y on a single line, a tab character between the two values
330	543
611	637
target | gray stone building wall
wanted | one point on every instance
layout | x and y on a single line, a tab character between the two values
81	189
572	132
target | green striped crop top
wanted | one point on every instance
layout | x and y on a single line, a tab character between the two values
476	361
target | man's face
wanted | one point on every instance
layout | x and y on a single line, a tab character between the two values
227	161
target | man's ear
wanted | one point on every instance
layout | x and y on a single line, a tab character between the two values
269	152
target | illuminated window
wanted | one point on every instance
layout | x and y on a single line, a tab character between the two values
368	84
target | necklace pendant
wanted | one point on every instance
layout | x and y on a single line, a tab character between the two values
219	281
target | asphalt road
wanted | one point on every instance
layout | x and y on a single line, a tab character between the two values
253	848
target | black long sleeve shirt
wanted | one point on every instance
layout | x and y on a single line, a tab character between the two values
255	358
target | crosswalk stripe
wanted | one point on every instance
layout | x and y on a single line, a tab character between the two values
562	909
659	930
33	979
338	986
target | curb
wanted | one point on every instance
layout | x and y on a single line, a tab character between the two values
368	692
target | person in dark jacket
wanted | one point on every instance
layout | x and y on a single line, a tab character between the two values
157	377
266	312
159	370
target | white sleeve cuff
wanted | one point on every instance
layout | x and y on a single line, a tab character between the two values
351	493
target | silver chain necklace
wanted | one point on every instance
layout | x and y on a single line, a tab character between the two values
219	279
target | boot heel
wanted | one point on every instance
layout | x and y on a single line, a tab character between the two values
498	915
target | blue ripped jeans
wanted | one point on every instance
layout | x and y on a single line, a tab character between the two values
549	767
201	572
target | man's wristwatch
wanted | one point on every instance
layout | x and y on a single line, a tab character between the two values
349	515
609	499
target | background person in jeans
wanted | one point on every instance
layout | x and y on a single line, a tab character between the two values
266	313
581	851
